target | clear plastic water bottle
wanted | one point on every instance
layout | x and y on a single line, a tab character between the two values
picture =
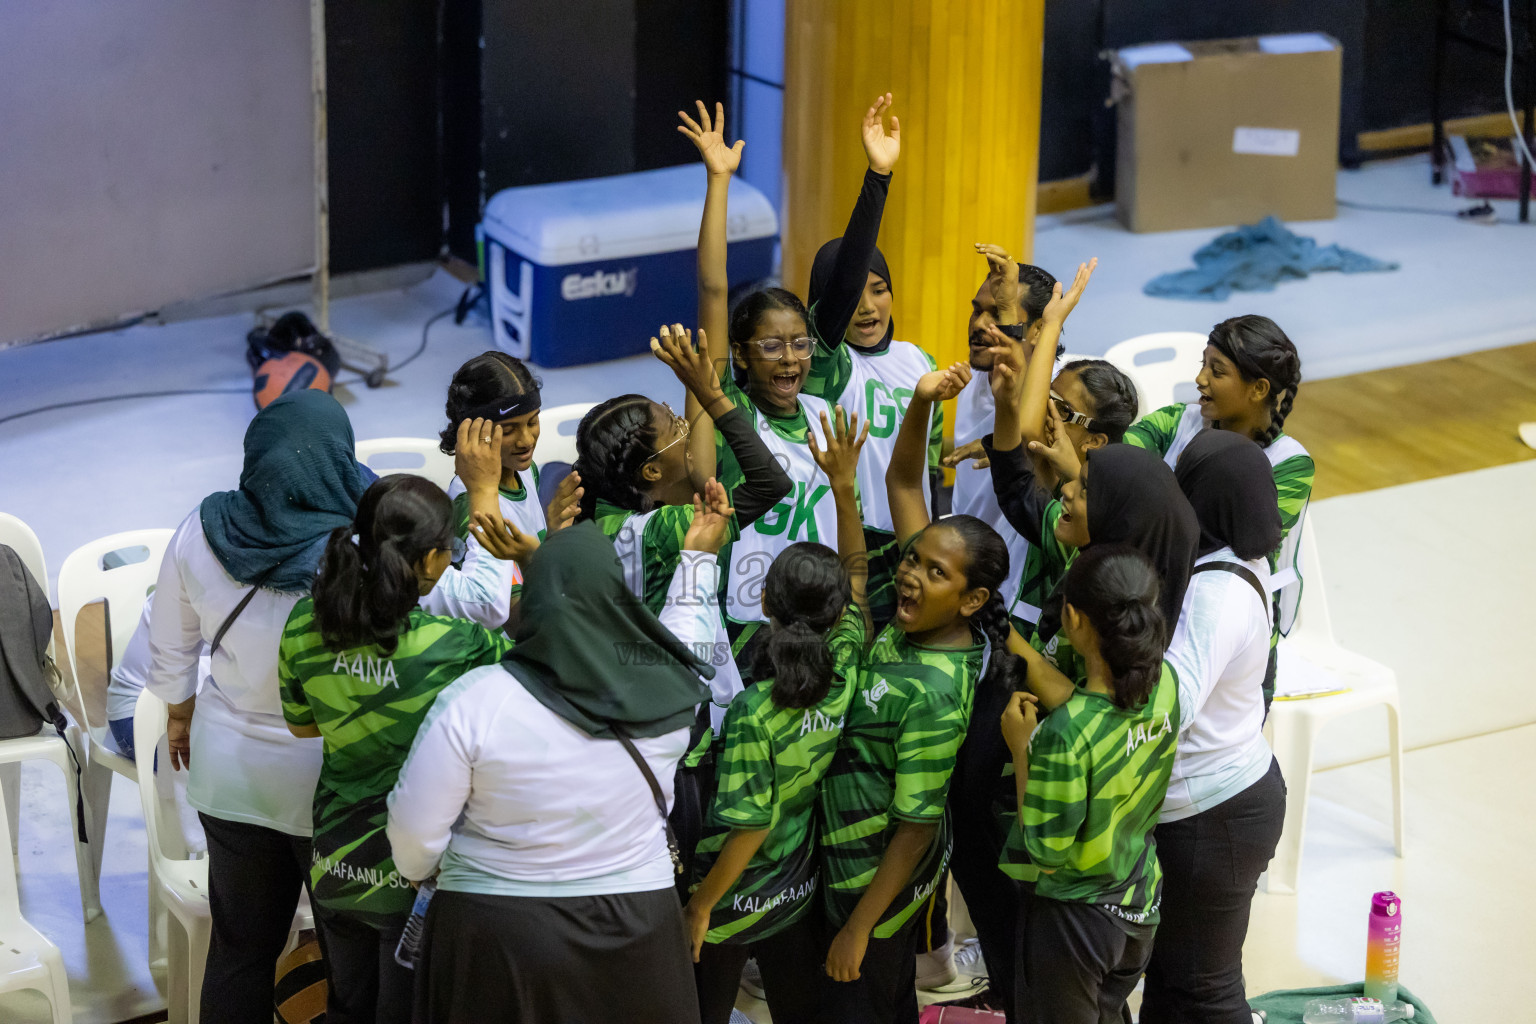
409	950
1355	1010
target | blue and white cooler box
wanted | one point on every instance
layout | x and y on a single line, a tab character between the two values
584	271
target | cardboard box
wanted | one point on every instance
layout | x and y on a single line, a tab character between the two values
1227	131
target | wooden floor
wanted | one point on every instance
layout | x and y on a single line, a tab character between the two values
1415	422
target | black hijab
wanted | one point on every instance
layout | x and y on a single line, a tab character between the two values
592	652
1134	499
1230	485
821	276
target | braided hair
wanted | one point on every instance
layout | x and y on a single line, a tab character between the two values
1037	285
1116	586
1259	348
614	440
988	567
805	594
489	377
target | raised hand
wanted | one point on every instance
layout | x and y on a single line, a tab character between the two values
708	134
502	539
1019	721
477	454
942	385
971	450
1008	365
565	506
882	149
1003	276
1063	303
1057	449
840	460
674	346
711	519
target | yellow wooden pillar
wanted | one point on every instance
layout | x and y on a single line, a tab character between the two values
966	79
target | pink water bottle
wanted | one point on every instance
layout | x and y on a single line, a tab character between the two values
1381	944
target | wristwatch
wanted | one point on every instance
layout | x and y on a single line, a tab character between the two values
1014	331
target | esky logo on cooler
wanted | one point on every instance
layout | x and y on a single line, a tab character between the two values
599	284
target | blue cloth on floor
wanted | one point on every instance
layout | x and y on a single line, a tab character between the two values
1254	259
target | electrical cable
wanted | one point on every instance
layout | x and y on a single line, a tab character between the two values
425	330
461	307
1509	91
1374	208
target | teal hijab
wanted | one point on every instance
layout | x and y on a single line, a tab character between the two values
300	481
592	652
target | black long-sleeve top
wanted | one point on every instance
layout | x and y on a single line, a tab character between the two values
764	481
839	274
1019	493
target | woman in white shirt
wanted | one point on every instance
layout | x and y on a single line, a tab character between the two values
1222	817
554	862
233	571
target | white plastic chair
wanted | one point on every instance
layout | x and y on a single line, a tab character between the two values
177	884
66	753
1294	724
418	455
27	959
1163	366
557	432
84	578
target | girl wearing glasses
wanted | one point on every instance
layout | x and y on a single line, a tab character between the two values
1248	380
389	623
769	347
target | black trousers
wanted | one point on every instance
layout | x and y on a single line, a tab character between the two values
933	918
366	984
1211	866
255	875
793	970
1079	963
886	989
556	960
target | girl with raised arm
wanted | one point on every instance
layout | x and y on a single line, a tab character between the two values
886	830
758	894
769	349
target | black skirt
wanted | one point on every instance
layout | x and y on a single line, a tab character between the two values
556	960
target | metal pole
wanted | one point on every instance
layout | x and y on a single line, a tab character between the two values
321	280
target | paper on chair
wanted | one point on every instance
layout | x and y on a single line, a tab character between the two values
1295	675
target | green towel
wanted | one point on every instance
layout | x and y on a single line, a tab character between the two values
1285	1007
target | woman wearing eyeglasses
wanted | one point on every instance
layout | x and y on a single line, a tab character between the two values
769	345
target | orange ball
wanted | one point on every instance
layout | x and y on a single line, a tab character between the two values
291	371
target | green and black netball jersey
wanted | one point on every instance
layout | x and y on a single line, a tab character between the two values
904	727
770	768
1097	778
368	705
519	506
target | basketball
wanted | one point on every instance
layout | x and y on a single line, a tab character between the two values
300	992
291	371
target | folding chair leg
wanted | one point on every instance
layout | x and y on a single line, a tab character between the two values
58	989
98	804
10	788
87	855
1395	743
1293	749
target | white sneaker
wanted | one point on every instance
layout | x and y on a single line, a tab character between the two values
937	968
752	980
969	961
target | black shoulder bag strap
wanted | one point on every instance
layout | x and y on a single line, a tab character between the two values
661	801
1242	571
229	620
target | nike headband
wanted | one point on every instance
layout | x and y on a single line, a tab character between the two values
506	408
